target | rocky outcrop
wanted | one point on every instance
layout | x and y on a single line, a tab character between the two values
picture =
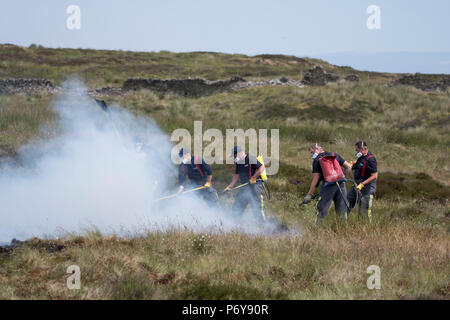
318	77
352	78
33	243
185	87
273	82
424	82
28	86
106	91
200	87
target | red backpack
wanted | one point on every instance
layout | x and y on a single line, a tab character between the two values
331	169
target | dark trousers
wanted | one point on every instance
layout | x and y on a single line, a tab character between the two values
251	194
328	194
365	201
208	194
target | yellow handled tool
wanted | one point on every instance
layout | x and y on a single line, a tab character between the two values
240	186
179	193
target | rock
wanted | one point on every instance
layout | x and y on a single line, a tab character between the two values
318	77
33	243
185	87
200	87
106	91
28	86
424	82
352	78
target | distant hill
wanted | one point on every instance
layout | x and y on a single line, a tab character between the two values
111	68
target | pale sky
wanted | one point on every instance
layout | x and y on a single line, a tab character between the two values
320	28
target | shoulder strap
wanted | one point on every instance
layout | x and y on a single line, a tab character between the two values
249	168
198	167
364	166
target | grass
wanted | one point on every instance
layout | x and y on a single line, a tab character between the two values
325	263
406	129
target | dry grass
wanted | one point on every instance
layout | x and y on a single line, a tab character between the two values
322	263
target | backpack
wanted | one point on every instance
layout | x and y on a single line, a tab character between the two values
331	169
263	174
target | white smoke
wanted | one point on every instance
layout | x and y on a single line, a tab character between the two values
91	176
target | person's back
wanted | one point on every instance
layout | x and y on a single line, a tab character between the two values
333	186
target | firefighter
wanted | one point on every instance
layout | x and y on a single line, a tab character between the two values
199	174
365	174
248	170
330	190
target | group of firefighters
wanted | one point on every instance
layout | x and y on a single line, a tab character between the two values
326	169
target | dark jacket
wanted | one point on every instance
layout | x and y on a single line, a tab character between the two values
197	171
364	167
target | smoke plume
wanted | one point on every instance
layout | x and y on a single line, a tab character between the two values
91	176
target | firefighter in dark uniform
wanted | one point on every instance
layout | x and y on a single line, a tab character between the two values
333	192
248	170
365	173
199	174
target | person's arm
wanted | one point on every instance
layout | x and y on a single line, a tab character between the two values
208	170
372	168
258	172
181	179
314	182
372	177
208	181
234	180
347	168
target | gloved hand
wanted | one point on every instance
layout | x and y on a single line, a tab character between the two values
227	189
207	184
307	198
360	186
252	180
